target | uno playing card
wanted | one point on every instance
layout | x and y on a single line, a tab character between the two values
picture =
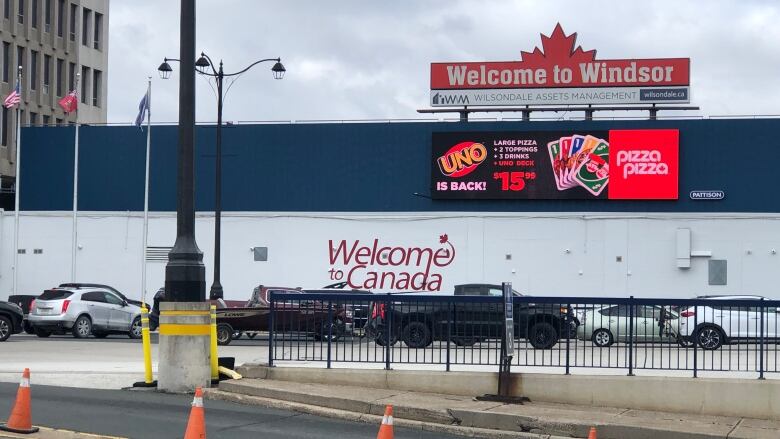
566	156
593	173
554	150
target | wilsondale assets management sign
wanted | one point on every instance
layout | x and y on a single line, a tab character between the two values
560	74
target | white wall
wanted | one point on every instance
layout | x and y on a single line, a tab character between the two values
551	254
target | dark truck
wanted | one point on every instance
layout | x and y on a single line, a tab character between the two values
418	324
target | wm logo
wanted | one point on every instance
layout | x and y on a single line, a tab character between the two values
438	99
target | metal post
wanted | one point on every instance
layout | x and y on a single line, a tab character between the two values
526	114
450	316
631	336
146	188
75	232
653	113
464	115
216	287
695	334
271	331
185	275
17	182
568	336
330	330
388	331
761	343
589	113
213	354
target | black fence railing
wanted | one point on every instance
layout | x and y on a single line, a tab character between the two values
712	335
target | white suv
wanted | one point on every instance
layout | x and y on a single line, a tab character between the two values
713	325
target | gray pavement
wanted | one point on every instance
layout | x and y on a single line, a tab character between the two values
152	415
539	420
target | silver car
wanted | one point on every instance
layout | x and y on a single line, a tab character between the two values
84	311
604	326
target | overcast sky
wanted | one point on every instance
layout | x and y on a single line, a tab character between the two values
362	59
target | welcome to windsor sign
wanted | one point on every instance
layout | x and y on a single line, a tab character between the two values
560	74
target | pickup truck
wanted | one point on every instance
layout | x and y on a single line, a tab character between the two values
292	316
418	324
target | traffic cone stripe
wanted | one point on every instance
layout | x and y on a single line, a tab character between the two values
25	382
387	420
197	402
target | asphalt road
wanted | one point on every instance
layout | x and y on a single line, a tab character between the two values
150	415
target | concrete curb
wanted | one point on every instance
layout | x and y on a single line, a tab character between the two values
52	433
345	415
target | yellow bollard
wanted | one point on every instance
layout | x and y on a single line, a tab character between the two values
147	343
214	354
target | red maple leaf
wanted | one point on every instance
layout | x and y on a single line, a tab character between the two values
558	47
443	239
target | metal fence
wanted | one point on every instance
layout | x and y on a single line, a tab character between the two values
696	335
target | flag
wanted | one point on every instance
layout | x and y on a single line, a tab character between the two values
69	102
13	98
143	107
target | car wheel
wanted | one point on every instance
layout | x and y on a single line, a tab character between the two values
135	329
252	335
602	338
42	333
28	328
5	328
335	332
237	335
100	334
542	336
224	335
83	327
709	338
381	339
417	335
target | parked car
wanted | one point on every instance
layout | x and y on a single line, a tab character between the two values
292	316
24	301
84	311
608	324
717	324
418	325
11	320
104	287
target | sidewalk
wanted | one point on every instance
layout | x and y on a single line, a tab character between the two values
465	416
48	433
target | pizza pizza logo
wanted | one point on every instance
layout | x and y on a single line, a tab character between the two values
642	162
462	159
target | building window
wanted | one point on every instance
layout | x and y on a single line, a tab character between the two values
84	85
98	31
4	127
34	13
97	81
21	11
60	79
71	76
58	121
46	119
20	59
60	17
47	16
74	9
7	9
33	70
6	60
33	118
46	73
85	14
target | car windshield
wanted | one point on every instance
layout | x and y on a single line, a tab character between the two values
55	295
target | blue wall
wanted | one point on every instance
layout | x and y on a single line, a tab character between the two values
366	167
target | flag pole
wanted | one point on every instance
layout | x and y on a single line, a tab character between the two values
18	185
146	187
75	190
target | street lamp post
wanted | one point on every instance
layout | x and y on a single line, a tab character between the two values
201	65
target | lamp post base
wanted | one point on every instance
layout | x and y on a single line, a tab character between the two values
216	291
185	342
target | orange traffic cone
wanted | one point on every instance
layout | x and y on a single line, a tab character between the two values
20	420
592	434
386	429
196	427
